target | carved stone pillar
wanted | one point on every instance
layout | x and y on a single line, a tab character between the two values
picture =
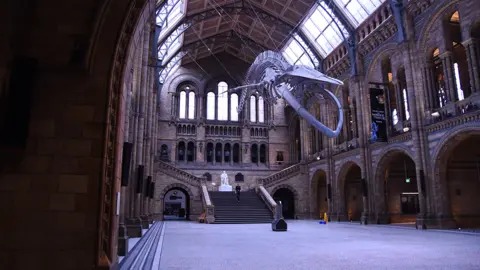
353	112
447	61
473	61
400	104
122	229
410	67
133	221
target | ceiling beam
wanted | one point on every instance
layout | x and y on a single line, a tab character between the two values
227	37
338	13
246	38
240	7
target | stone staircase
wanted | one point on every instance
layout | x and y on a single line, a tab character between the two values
281	176
250	210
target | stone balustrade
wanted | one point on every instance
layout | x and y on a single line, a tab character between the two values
223	131
280	176
208	207
267	198
179	174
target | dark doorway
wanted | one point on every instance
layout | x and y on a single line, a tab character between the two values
288	202
176	204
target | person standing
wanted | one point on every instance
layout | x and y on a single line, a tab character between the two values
237	192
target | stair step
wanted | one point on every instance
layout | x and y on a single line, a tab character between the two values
250	210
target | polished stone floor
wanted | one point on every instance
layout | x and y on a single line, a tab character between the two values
309	245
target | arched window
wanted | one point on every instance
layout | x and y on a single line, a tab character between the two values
209	152
263	153
236	153
183	105
253	109
395	116
261	110
233	107
222	101
208	176
254	153
190	151
460	94
405	102
181	151
210	106
218	152
191	105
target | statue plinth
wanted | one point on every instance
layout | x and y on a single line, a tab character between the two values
225	188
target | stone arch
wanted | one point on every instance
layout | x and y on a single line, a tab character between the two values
384	159
440	155
451	139
378	54
177	185
182	188
289	187
184	77
423	40
341	190
319	201
290	208
345	166
118	36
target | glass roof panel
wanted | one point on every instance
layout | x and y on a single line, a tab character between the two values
296	52
323	29
169	54
171	67
170	46
358	10
169	15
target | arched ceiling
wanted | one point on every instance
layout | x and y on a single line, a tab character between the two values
240	27
194	29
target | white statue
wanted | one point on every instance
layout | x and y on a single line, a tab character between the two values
224	185
224	179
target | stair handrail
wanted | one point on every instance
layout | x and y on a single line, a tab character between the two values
280	175
179	174
208	207
267	198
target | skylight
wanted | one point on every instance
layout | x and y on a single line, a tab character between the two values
169	15
170	46
324	30
169	56
358	10
171	67
296	52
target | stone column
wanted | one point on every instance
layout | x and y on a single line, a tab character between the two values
258	154
473	69
133	222
400	104
447	61
429	86
148	140
142	113
122	229
353	112
362	140
222	151
410	67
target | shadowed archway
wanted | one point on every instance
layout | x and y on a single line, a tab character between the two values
458	171
397	197
319	194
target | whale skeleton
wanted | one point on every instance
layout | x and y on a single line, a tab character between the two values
272	77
